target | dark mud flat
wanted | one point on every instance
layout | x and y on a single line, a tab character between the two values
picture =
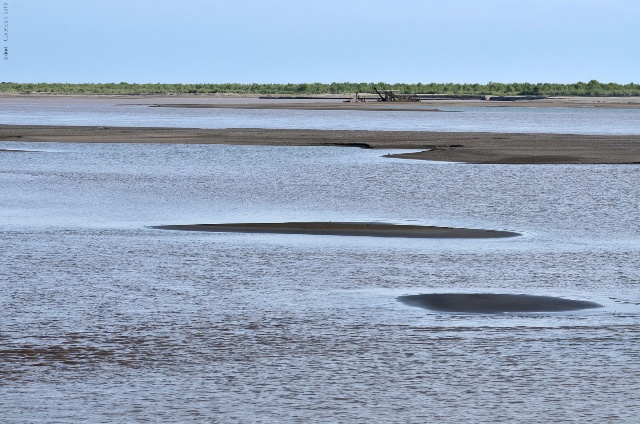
489	303
345	229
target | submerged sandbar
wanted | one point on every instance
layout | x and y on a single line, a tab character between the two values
490	303
345	229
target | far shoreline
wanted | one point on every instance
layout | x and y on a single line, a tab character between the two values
325	101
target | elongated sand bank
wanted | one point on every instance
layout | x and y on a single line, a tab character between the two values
345	229
422	106
489	303
432	104
373	106
469	147
326	101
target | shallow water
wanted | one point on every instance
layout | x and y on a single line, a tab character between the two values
136	112
104	319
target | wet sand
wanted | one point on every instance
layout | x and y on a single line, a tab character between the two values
422	106
345	229
338	103
528	149
324	101
382	106
488	303
468	147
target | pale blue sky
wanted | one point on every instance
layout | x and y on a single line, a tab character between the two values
281	41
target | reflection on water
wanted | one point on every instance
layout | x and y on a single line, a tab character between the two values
104	319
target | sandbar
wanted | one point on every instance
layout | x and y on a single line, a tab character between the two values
490	303
15	151
365	229
369	106
467	147
323	101
337	102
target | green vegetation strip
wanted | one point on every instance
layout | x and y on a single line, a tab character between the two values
591	88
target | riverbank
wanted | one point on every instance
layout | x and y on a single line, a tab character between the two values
469	147
425	105
325	102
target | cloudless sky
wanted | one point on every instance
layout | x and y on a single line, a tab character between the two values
281	41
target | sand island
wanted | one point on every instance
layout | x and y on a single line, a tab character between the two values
365	229
490	303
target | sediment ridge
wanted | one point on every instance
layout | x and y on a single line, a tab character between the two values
491	303
467	147
345	229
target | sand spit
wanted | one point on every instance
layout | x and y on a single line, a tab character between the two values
345	229
468	147
488	303
532	149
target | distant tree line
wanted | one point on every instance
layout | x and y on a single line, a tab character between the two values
591	88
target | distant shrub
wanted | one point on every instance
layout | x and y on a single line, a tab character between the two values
592	88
